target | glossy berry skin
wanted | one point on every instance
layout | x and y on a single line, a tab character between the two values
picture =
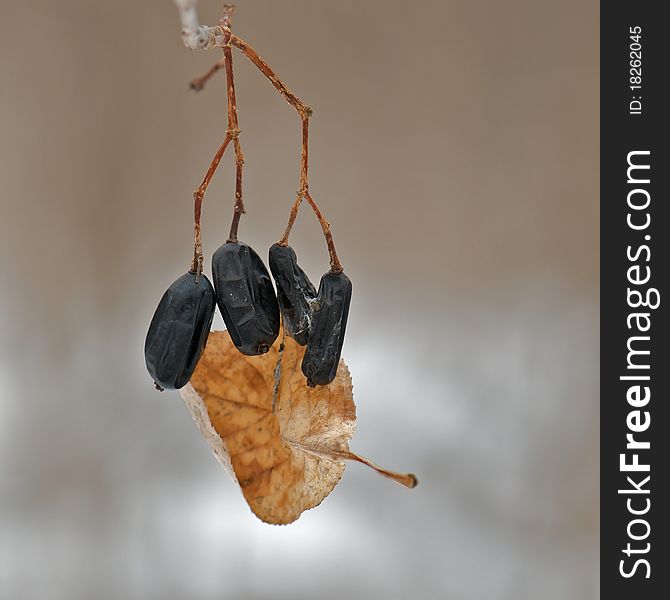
246	298
326	336
178	331
295	292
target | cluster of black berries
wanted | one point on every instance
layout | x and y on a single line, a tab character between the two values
246	298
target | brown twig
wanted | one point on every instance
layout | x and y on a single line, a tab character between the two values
198	83
304	112
335	265
232	133
233	124
303	192
198	196
264	68
304	156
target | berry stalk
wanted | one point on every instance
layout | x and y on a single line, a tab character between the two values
304	112
233	124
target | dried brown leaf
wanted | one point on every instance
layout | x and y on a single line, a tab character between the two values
283	442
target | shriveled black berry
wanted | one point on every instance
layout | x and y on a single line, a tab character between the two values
178	331
326	336
246	298
295	292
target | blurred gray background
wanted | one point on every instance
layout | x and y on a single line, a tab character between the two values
454	150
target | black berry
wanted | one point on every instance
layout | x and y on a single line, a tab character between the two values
295	292
329	321
246	298
178	331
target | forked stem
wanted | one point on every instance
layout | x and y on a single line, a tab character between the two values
304	112
335	265
304	158
233	124
198	195
264	68
232	133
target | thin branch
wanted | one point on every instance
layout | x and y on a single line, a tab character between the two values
198	83
303	192
198	36
264	68
232	133
198	195
304	112
335	265
234	129
304	157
